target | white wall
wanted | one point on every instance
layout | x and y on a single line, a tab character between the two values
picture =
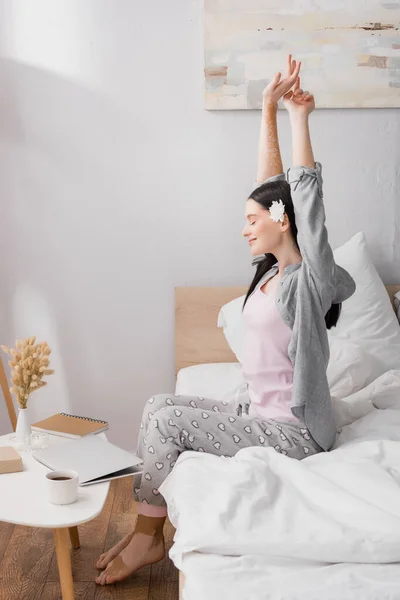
117	186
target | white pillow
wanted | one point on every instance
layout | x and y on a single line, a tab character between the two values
218	381
367	318
350	368
230	318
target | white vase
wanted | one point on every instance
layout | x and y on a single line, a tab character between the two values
23	429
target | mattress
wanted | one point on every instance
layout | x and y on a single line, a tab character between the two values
260	525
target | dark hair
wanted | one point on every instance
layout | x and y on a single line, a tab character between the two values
265	195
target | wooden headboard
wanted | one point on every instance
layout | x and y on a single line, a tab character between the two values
197	338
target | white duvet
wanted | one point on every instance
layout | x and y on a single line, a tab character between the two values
264	526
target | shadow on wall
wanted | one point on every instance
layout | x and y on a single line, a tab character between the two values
67	219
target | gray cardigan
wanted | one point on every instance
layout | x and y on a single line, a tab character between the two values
306	292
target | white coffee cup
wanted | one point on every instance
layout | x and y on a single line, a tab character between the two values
62	486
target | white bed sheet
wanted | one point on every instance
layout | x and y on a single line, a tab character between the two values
341	508
213	577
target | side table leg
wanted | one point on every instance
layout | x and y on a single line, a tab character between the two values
74	537
64	563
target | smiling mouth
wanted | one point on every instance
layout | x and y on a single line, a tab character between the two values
252	240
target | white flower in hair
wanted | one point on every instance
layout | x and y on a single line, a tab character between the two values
277	211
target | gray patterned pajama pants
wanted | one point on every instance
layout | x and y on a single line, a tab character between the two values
172	424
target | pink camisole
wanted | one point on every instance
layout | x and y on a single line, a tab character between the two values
266	365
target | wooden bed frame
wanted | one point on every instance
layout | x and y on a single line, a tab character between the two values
198	340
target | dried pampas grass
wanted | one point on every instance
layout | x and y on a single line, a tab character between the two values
29	365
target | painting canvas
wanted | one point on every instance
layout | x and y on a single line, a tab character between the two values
350	50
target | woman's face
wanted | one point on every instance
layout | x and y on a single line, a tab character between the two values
262	233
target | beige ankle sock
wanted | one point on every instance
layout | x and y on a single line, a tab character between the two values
150	525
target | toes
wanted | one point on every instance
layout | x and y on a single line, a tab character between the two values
101	562
104	575
107	574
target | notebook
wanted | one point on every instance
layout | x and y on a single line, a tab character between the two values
72	426
95	460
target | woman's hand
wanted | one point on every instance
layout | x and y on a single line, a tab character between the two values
278	87
299	102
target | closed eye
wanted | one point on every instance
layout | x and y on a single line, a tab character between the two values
250	217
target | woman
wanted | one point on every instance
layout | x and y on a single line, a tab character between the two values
295	296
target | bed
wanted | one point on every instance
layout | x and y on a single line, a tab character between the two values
216	561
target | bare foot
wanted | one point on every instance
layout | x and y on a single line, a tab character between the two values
114	551
142	550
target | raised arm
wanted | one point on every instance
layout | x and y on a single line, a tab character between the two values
300	105
305	179
306	186
269	154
